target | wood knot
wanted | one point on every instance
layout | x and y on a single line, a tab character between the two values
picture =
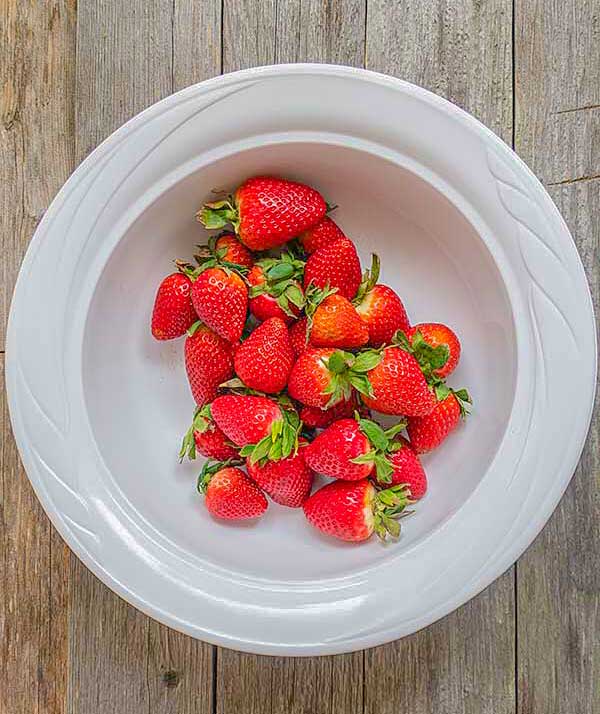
170	678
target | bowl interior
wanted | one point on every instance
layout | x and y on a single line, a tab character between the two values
136	392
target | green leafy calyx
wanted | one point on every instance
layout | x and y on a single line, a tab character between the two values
282	279
369	279
218	214
349	371
201	422
281	442
388	506
382	444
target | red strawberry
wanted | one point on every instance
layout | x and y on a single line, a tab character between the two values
276	289
323	233
323	377
245	419
205	437
333	451
259	425
264	361
380	308
266	211
228	249
208	363
399	386
434	334
407	469
220	298
333	322
350	449
315	418
287	481
353	510
173	312
298	336
230	494
428	432
335	266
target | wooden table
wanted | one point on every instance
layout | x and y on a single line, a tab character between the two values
71	73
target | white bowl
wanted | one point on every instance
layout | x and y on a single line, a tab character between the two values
467	236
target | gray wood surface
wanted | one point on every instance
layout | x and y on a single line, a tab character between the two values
76	71
37	82
558	133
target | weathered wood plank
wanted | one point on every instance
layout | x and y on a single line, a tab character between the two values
143	51
465	663
284	685
196	41
33	592
36	130
263	33
37	46
557	72
283	31
124	64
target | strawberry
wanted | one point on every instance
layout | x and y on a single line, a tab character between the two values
407	469
227	250
398	385
276	288
323	377
262	427
298	336
333	451
205	437
434	335
350	449
429	431
287	481
315	418
353	510
266	212
220	298
335	266
208	362
230	494
173	312
264	360
380	308
323	233
333	321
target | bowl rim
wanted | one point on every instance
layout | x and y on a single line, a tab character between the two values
519	545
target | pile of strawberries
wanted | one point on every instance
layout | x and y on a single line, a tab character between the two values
289	347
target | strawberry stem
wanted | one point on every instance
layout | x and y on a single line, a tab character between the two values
369	280
218	214
201	422
388	506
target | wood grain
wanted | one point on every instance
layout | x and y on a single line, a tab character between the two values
33	592
37	81
196	41
273	31
465	663
37	46
130	55
558	133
